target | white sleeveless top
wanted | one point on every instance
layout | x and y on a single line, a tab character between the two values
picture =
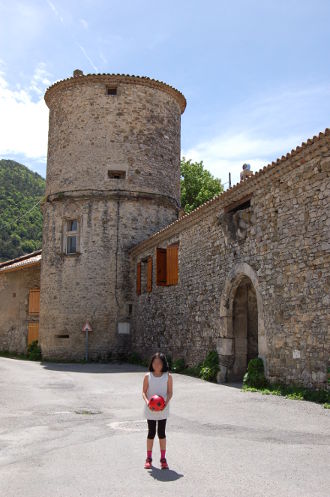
157	385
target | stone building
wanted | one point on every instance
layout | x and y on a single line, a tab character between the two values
246	273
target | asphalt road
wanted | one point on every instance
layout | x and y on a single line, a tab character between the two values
70	430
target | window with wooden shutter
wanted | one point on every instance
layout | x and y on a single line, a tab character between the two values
161	266
172	264
138	278
149	274
34	301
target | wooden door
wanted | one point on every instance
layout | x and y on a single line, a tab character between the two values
33	331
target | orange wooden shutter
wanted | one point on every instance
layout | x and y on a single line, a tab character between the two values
149	274
161	266
138	278
33	332
34	301
172	264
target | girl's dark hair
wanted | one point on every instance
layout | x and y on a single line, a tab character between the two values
162	357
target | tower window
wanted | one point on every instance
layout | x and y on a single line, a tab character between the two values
111	90
243	203
71	236
117	174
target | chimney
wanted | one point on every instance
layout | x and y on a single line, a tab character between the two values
246	173
77	72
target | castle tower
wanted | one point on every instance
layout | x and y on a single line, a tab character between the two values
113	179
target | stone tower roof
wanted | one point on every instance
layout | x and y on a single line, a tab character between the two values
79	78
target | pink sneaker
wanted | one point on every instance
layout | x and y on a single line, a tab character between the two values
147	464
164	464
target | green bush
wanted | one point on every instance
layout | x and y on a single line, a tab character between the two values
134	358
255	376
206	370
178	365
193	370
210	367
206	373
169	361
34	351
122	356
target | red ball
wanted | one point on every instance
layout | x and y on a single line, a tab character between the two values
156	403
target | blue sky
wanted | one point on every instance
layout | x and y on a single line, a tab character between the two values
255	72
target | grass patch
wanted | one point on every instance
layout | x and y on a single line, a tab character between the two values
293	392
13	355
254	381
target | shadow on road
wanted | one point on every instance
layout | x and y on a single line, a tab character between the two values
110	367
93	367
164	474
233	384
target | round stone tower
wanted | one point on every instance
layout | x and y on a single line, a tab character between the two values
113	179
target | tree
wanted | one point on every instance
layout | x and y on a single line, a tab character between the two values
197	185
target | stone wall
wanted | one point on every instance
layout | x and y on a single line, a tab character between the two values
14	307
280	244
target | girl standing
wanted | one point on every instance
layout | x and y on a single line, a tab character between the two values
157	381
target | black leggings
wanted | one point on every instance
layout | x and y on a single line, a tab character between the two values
152	428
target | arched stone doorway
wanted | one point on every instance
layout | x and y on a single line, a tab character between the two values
242	332
245	328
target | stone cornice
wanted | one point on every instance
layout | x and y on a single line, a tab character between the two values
115	194
112	79
316	146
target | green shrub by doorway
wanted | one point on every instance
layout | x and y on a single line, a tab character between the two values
255	375
34	351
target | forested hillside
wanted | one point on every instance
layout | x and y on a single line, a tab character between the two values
20	190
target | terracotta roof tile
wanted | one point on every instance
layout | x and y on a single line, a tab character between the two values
33	258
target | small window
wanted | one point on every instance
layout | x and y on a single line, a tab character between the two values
167	265
71	237
111	90
72	225
71	244
117	174
161	266
243	203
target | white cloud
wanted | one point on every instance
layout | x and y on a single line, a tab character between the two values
24	120
40	79
261	130
56	12
84	23
87	57
103	58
